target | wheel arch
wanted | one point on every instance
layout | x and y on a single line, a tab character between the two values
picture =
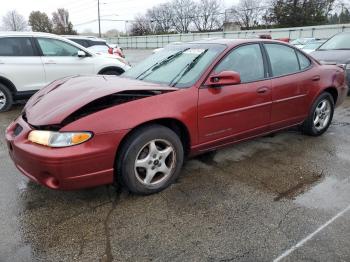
174	124
334	93
6	82
111	68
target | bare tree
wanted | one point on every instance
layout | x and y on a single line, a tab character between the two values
247	13
162	17
141	26
61	23
183	14
207	15
13	21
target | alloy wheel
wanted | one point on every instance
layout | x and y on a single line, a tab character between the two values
322	114
155	162
3	100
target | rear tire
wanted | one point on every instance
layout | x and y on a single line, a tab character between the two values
150	160
320	116
6	99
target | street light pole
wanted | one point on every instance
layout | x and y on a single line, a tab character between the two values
99	18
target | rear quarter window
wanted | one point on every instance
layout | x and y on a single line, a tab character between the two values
303	61
16	46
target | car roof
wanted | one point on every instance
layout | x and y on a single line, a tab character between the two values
14	33
38	34
93	38
34	34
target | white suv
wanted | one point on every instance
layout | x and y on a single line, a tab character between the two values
30	61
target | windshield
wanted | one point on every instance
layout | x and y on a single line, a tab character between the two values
177	65
337	42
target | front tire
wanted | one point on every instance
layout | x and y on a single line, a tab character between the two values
150	160
320	116
6	99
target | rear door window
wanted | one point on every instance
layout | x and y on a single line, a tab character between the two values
283	59
16	46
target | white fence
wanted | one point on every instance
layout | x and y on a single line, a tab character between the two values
155	41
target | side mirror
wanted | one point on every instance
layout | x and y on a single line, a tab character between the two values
81	53
223	78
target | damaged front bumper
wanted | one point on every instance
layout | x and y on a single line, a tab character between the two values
86	165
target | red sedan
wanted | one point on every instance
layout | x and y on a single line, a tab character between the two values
187	99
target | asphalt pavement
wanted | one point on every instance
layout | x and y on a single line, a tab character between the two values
285	197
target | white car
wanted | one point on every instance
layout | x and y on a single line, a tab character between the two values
104	50
301	42
161	48
30	61
310	47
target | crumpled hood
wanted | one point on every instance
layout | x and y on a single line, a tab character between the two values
337	56
52	104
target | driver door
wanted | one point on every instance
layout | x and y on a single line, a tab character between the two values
233	112
61	59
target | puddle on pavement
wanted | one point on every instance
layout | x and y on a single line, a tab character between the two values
286	165
332	193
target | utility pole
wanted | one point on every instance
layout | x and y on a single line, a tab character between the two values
99	18
126	27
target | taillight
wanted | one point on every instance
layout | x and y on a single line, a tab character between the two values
118	52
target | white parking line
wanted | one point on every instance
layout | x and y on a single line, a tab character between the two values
303	241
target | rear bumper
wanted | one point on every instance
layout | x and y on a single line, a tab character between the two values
87	165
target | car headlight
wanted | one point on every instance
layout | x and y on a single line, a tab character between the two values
58	139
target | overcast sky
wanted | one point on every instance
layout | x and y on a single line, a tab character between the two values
82	11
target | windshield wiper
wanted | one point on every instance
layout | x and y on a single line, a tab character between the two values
186	69
160	64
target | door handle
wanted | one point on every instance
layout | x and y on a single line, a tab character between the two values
262	90
316	78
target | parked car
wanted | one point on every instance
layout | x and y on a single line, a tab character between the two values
161	48
116	49
335	50
101	50
301	42
29	61
310	47
91	41
193	98
283	39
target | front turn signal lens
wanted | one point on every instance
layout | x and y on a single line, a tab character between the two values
58	139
